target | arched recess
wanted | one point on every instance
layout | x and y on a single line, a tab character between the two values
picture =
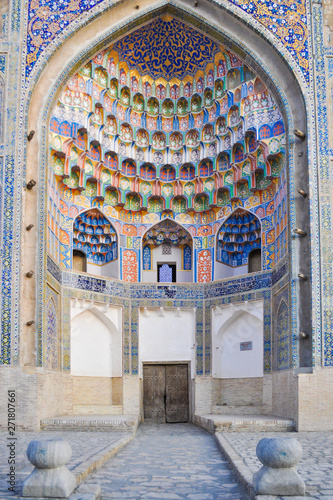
167	244
283	341
239	235
95	236
96	345
238	343
52	336
255	48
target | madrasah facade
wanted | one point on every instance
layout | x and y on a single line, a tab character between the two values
166	227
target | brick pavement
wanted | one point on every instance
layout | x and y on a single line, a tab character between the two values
315	467
171	462
176	461
88	449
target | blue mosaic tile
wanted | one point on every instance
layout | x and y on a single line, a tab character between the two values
2	63
53	269
287	22
173	49
7	256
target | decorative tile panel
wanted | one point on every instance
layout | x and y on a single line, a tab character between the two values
287	21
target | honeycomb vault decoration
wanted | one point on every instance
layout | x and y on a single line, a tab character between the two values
178	144
166	123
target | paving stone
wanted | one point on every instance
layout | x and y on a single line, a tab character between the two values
174	461
315	466
85	446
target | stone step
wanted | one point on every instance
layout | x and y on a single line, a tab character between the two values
237	410
244	423
97	410
91	423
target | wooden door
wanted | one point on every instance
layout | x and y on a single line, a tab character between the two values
154	393
176	393
165	393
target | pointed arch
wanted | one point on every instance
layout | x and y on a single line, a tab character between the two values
97	238
276	68
162	245
239	234
96	345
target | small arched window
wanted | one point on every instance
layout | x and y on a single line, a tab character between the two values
79	261
254	262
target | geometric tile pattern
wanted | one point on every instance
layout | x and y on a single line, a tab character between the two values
173	49
287	21
51	339
140	149
283	336
323	344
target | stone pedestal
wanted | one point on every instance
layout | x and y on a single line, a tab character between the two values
278	475
50	478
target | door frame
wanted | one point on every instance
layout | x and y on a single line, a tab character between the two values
190	384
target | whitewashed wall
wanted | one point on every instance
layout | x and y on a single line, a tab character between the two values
109	270
96	339
222	271
232	325
167	335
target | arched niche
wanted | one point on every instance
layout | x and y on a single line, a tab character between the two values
95	244
238	344
238	239
167	253
260	52
79	261
96	342
254	261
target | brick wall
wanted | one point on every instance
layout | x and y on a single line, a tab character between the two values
315	392
92	391
203	395
132	404
38	395
241	392
284	394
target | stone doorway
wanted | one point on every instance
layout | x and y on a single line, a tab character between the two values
165	393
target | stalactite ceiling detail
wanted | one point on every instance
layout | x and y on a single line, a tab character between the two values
166	123
208	134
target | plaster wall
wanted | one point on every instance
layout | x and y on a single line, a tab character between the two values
237	340
96	340
224	271
110	270
167	335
